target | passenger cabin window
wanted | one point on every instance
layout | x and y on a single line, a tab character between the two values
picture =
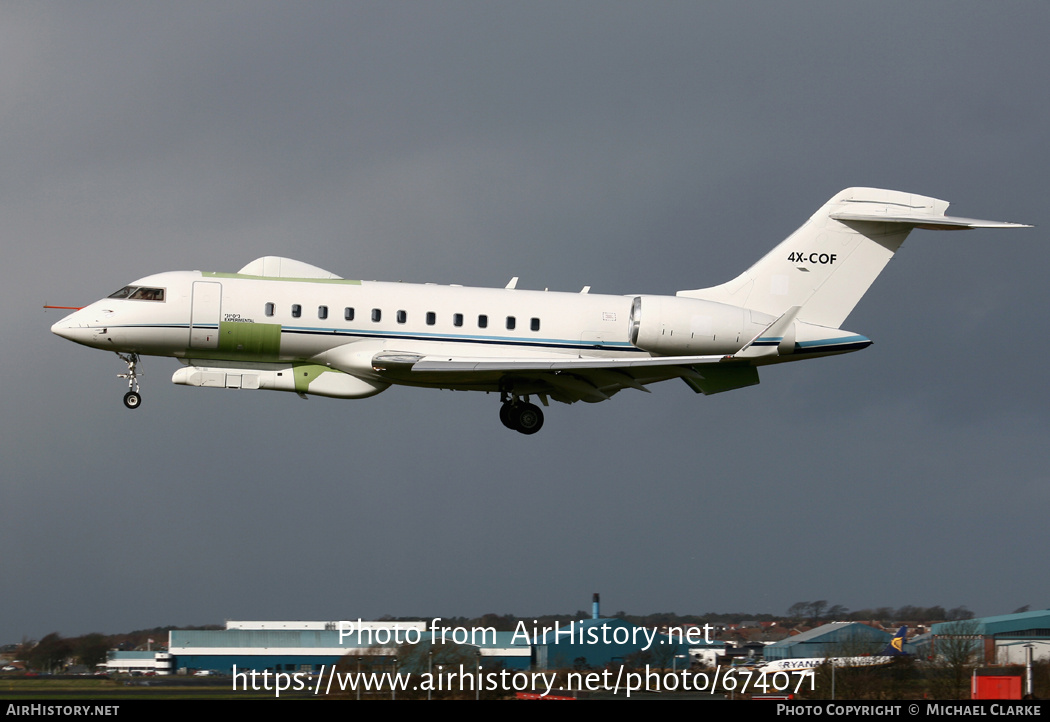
297	310
483	321
348	313
457	319
377	315
431	318
535	324
402	316
511	323
270	308
322	312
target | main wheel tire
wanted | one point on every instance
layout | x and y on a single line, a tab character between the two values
529	418
132	399
507	416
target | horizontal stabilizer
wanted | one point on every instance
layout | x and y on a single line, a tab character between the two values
929	222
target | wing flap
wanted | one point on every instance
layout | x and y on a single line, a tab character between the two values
726	377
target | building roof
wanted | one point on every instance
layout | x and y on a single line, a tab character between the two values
817	632
835	638
281	639
286	639
1028	624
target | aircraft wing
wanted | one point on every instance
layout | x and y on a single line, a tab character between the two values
566	378
421	363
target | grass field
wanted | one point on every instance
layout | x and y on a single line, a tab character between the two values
85	689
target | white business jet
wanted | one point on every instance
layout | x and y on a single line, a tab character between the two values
285	325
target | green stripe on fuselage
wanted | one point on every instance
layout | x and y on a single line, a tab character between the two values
218	274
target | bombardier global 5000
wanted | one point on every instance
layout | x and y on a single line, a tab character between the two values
285	325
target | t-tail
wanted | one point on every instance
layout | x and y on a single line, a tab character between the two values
896	646
827	265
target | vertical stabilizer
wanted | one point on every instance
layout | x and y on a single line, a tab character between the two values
828	264
896	646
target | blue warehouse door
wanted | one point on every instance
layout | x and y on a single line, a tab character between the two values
204	316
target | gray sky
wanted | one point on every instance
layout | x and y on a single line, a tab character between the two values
633	147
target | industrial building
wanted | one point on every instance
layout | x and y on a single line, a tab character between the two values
307	646
837	639
998	640
289	646
138	662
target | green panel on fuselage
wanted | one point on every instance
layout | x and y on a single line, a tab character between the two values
304	375
249	341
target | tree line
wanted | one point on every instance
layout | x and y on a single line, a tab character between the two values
821	611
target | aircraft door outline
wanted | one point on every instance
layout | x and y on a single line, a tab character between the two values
204	314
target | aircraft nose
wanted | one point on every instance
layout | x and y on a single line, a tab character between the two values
72	328
86	327
64	328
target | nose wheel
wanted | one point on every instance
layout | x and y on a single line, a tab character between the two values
521	416
132	399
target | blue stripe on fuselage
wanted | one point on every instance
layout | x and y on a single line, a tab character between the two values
446	338
838	345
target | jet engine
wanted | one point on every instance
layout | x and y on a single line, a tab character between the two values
676	326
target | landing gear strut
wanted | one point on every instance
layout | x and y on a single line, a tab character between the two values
520	415
132	399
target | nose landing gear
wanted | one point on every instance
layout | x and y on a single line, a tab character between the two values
520	416
132	399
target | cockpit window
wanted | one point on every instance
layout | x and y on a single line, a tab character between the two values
140	293
148	294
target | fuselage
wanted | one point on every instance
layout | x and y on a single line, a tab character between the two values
203	317
809	664
237	317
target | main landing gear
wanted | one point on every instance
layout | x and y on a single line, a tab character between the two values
520	415
132	399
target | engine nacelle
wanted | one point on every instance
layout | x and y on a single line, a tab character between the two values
677	326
